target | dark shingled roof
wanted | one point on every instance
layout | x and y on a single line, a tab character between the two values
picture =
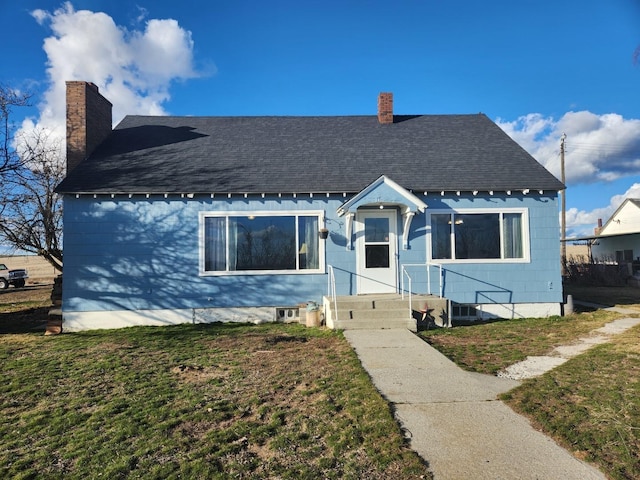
306	154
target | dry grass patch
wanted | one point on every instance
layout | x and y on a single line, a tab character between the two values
195	401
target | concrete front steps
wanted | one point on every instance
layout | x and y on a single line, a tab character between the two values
383	311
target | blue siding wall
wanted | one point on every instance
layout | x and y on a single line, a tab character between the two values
138	253
537	281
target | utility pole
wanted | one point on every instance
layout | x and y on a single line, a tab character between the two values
563	242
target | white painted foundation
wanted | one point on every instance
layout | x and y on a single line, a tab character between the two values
79	321
518	310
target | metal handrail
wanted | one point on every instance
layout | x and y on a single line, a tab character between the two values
427	265
405	272
331	290
440	284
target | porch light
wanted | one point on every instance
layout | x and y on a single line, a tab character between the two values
323	233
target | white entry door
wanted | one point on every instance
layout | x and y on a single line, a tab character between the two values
376	251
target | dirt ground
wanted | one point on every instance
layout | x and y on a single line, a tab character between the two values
25	309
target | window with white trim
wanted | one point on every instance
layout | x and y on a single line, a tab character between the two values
487	235
260	242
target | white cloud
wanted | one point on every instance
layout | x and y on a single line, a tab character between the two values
598	147
134	69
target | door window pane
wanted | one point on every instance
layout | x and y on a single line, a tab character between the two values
376	230
377	256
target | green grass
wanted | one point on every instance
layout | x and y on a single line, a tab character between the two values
590	404
214	401
491	347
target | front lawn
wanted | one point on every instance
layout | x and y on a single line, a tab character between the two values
195	401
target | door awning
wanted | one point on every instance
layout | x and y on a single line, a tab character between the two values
383	193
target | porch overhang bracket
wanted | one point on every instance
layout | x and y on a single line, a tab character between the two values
408	218
348	226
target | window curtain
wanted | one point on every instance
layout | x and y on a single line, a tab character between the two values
233	245
512	234
312	242
441	235
215	245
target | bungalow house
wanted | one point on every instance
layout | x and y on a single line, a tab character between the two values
191	219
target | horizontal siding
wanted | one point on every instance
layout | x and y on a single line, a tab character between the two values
137	253
143	254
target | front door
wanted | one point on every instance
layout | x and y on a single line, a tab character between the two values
376	251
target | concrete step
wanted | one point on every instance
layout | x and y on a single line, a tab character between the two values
375	313
379	323
384	311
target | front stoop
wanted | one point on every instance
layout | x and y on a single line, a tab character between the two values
382	311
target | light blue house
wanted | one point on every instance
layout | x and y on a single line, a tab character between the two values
195	219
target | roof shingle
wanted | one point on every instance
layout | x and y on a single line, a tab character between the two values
306	154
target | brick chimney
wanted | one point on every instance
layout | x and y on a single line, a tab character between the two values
385	108
88	121
598	229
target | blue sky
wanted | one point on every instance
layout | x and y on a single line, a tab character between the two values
539	69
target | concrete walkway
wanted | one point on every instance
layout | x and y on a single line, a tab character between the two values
452	417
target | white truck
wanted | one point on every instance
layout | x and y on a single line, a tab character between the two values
16	277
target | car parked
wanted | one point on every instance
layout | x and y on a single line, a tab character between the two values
16	277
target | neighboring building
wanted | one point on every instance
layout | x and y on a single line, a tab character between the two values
619	239
189	219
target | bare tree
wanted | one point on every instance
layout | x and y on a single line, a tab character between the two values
9	99
30	210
